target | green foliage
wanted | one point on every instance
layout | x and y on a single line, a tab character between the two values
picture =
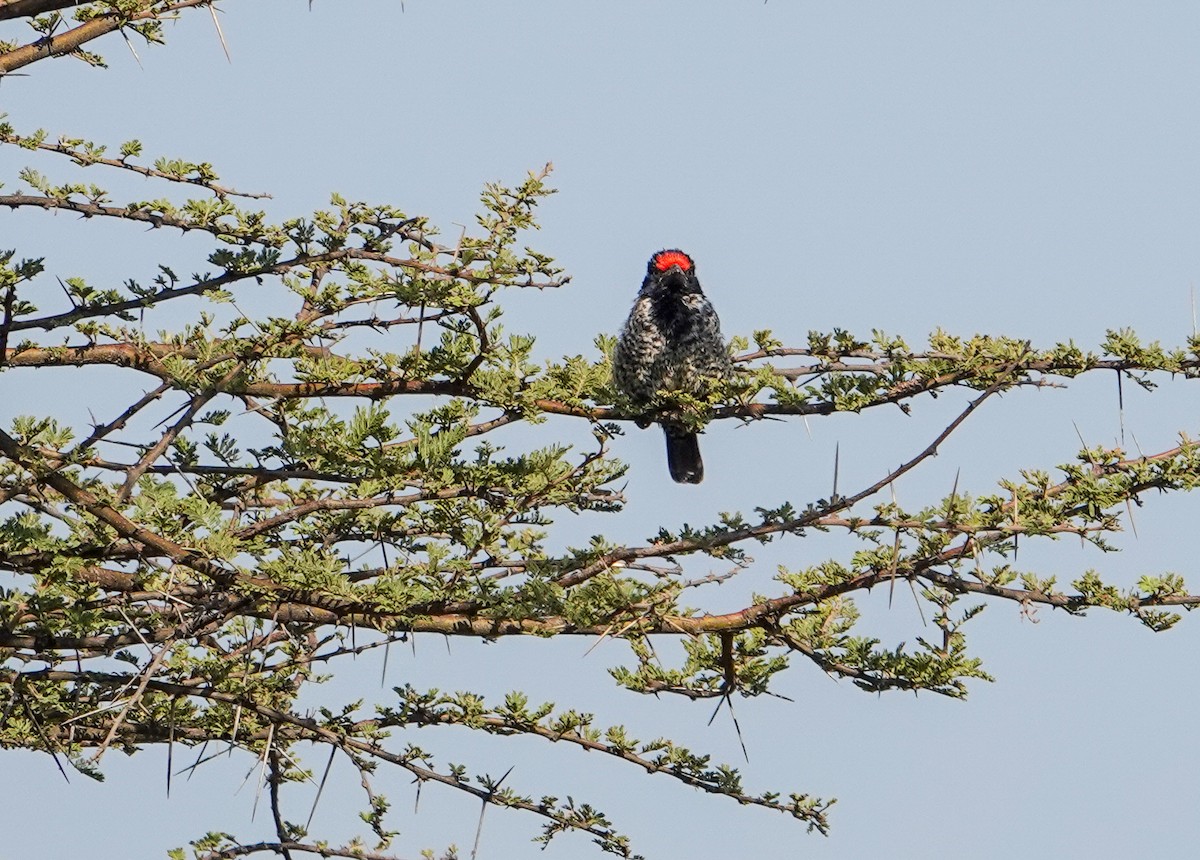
175	572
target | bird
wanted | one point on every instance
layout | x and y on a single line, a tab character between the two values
671	341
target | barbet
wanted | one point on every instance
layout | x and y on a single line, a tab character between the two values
672	341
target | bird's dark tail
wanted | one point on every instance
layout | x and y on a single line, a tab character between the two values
683	455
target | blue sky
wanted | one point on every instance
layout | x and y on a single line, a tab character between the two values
1018	168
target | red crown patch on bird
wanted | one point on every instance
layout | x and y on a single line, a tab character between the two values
664	260
671	342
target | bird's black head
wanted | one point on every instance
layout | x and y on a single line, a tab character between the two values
672	268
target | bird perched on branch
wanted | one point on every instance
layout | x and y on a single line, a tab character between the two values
672	340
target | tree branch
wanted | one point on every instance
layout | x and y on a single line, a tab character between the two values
75	38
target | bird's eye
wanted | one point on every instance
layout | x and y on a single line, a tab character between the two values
667	259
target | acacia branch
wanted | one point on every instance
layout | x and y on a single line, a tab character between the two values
121	524
305	728
357	852
85	158
29	8
53	321
319	505
75	38
410	716
808	519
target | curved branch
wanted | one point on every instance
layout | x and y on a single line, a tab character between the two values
85	158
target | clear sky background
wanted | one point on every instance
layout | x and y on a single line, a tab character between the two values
1019	168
